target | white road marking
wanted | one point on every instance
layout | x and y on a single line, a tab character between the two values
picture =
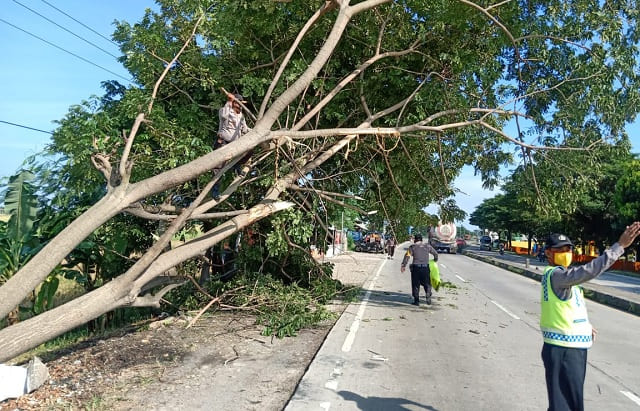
442	265
332	385
325	406
461	279
631	397
348	341
505	310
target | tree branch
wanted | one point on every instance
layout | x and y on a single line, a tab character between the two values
124	167
153	300
326	7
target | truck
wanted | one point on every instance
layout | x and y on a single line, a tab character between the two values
443	237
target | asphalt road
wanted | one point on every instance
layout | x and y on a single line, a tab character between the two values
477	347
611	278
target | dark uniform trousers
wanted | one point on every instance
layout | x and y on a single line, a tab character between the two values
420	277
564	370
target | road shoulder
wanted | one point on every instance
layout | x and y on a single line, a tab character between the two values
223	362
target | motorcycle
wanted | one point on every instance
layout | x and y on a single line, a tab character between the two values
501	249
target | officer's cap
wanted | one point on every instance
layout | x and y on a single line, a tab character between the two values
556	240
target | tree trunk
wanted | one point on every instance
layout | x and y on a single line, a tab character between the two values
125	289
38	268
30	333
120	292
115	201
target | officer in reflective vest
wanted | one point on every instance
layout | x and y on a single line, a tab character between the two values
565	326
419	268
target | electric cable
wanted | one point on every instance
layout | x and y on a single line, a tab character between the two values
66	51
67	30
27	127
79	22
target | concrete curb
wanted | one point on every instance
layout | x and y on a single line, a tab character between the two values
591	291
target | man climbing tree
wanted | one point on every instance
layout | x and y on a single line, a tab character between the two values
232	127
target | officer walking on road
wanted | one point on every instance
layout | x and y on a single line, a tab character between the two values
564	322
419	267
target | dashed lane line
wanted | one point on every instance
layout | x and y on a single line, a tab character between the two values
505	310
631	397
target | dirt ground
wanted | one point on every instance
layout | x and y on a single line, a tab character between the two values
220	363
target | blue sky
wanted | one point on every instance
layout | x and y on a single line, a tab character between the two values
39	82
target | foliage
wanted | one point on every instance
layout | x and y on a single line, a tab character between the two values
283	309
583	206
292	308
289	226
67	189
463	61
627	191
19	239
44	298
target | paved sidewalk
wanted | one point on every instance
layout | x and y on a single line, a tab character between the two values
625	297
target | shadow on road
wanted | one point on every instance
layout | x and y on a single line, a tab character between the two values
381	403
382	298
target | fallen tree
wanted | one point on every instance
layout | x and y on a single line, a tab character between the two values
382	99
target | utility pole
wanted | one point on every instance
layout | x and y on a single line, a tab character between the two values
342	240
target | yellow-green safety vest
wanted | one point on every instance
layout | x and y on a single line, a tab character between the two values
564	322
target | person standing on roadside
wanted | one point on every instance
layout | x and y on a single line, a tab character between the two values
419	267
565	326
391	247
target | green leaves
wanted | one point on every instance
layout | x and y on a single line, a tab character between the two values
288	225
18	239
21	204
571	193
44	299
627	191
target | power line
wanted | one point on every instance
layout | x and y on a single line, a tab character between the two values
65	29
78	21
66	51
27	127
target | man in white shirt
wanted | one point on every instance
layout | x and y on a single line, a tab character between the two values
232	126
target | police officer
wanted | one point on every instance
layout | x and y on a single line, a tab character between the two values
419	267
564	322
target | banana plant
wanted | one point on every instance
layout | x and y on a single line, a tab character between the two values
19	240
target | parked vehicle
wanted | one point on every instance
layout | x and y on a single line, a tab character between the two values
485	243
443	237
368	246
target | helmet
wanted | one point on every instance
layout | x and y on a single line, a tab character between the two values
417	237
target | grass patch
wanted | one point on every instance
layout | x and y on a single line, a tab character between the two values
95	404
